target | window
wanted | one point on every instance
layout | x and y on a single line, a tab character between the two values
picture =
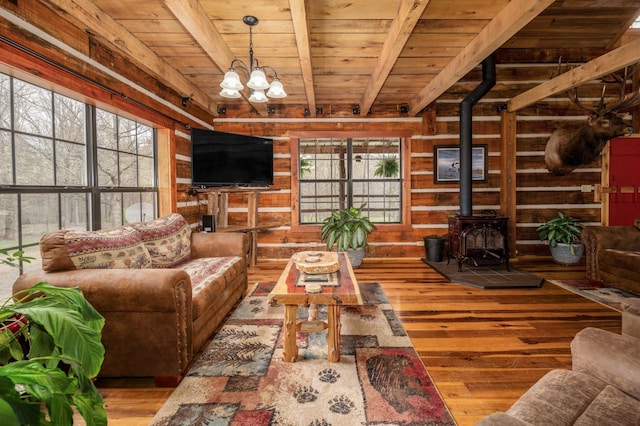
339	172
65	164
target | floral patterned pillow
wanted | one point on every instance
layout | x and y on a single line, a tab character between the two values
114	248
168	240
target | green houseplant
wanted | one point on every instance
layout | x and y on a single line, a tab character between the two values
387	167
563	234
349	230
50	350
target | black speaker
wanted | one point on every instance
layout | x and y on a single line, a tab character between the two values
208	223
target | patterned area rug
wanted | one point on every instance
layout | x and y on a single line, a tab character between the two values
611	297
240	379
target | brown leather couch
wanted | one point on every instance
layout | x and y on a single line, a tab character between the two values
613	255
602	388
162	290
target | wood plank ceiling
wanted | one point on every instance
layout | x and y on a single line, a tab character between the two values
377	55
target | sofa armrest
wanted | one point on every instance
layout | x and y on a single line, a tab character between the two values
596	238
631	318
219	244
501	419
121	290
610	357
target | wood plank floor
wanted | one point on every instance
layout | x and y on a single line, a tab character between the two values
483	348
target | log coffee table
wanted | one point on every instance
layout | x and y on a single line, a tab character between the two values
340	289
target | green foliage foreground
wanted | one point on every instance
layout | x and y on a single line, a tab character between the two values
50	351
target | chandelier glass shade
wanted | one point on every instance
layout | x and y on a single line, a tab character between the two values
258	83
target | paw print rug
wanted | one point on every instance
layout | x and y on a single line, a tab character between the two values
240	378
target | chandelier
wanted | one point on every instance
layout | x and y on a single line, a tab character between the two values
258	83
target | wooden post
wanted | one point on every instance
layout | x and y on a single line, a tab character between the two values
290	353
508	133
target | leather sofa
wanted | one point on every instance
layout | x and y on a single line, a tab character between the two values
613	255
602	388
162	289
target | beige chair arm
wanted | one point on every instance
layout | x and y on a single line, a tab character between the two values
610	357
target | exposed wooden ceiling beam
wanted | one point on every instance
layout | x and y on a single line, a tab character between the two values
195	20
400	30
515	15
610	62
301	30
95	18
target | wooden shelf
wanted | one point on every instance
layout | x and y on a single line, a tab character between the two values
218	207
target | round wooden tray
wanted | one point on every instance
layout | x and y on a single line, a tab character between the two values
316	262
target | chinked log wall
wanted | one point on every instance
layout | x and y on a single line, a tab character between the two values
539	194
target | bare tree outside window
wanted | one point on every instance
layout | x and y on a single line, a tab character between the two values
44	172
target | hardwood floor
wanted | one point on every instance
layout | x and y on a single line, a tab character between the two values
483	348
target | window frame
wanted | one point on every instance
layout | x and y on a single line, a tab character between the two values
405	187
90	188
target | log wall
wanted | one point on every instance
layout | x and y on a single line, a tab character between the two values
539	194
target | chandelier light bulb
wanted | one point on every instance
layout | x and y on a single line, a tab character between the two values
231	81
258	96
276	90
258	80
230	93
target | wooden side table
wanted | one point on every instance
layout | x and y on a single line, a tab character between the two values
287	293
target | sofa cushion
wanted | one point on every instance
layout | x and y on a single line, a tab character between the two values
210	276
168	240
113	248
558	398
611	407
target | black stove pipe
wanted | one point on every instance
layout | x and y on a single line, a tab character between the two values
466	120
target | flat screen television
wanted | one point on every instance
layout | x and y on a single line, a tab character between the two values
229	159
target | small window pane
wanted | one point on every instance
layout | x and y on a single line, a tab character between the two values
6	156
107	168
70	119
145	140
8	220
106	129
74	211
34	160
33	109
70	164
5	101
146	178
39	216
128	170
127	130
111	209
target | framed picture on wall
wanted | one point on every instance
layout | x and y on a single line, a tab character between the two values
446	163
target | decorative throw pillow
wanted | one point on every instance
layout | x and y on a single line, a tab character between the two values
168	240
114	248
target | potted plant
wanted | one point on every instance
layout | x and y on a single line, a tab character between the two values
348	229
563	234
50	351
387	167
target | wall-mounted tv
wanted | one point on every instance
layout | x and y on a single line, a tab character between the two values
229	159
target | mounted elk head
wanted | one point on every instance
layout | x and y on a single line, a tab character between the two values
568	148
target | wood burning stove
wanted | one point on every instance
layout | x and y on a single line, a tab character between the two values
478	239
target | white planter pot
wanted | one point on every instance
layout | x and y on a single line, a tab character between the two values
562	253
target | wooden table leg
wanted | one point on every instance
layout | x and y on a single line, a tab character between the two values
333	333
290	345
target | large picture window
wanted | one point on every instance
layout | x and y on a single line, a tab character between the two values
339	172
65	164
